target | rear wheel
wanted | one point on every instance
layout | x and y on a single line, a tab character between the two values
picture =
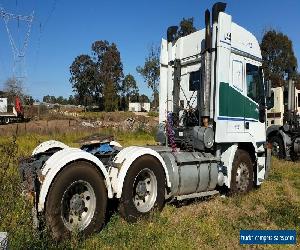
143	189
277	147
76	201
241	173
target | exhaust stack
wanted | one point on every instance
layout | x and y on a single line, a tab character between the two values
209	63
291	95
206	74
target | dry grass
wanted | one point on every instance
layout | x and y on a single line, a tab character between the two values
206	223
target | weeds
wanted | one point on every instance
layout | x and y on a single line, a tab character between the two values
206	223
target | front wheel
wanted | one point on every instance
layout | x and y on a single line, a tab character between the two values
76	201
143	189
241	173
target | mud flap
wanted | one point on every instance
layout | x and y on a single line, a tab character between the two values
268	163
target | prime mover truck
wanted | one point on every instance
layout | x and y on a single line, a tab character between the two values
11	109
283	121
212	137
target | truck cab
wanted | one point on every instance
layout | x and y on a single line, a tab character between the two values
283	121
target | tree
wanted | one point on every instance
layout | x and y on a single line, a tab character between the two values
49	99
135	97
110	97
150	71
14	87
110	72
129	86
28	100
91	74
143	98
186	27
128	89
278	57
84	78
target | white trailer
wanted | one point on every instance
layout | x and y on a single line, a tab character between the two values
139	106
212	133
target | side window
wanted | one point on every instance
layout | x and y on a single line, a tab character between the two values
194	82
255	88
237	75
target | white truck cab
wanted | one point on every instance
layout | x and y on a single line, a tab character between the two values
212	137
283	121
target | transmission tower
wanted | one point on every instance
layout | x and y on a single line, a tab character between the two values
18	51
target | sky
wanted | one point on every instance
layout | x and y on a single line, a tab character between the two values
64	29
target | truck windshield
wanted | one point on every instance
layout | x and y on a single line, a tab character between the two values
255	87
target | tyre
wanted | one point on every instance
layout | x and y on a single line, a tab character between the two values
143	189
241	173
76	201
277	147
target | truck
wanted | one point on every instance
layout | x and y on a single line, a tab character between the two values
11	109
283	121
212	138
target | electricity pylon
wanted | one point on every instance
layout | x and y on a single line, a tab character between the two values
18	51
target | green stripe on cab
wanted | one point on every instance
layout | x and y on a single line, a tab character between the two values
235	104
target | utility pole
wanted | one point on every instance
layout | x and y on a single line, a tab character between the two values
18	52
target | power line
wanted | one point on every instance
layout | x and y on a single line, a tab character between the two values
41	28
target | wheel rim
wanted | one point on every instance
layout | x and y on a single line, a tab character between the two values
145	190
78	205
275	149
242	177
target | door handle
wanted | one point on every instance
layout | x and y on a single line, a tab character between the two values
246	125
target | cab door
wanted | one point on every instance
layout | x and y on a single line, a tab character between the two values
235	97
254	102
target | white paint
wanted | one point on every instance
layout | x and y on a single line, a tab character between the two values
260	173
3	105
44	146
124	160
278	98
227	158
58	161
115	144
139	106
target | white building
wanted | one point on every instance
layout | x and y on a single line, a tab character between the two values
139	107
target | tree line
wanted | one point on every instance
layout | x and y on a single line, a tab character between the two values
98	79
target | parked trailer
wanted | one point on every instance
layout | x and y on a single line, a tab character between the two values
212	133
283	122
